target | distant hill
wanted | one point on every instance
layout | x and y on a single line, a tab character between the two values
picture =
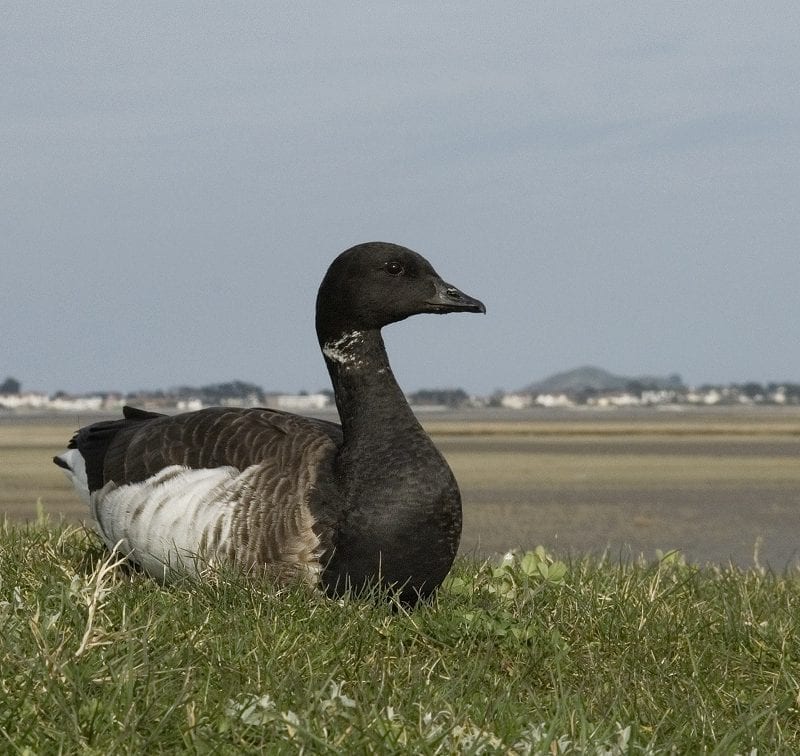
589	378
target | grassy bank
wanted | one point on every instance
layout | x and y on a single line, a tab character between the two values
530	656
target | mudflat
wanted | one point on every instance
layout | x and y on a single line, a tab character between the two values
721	485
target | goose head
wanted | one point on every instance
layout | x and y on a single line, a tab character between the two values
371	285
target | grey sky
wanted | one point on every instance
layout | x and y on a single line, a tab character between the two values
619	182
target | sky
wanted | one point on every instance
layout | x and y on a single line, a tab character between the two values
618	182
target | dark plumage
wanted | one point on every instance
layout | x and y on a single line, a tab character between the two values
370	500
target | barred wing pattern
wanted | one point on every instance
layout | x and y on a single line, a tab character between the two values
239	486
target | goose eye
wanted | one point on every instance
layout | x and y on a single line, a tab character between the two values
394	268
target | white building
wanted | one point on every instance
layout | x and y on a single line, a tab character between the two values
29	400
554	400
300	402
516	401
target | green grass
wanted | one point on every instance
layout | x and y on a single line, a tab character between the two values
528	656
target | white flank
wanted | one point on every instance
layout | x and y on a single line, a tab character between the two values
342	349
163	522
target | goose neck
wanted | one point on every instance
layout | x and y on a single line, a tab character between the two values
368	397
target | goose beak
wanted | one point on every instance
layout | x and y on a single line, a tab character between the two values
448	298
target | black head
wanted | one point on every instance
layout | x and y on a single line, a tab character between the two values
371	285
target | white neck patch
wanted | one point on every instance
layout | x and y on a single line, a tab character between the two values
342	350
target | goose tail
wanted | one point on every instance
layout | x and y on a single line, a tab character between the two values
84	459
73	465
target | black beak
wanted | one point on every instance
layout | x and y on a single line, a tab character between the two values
448	298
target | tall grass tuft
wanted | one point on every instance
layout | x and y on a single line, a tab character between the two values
524	656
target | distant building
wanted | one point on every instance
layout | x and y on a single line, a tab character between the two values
779	395
300	402
659	396
28	400
516	401
189	405
554	400
76	403
615	400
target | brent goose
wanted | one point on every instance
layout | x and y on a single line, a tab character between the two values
346	506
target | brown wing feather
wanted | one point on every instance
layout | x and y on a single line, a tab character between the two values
213	437
278	519
285	499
